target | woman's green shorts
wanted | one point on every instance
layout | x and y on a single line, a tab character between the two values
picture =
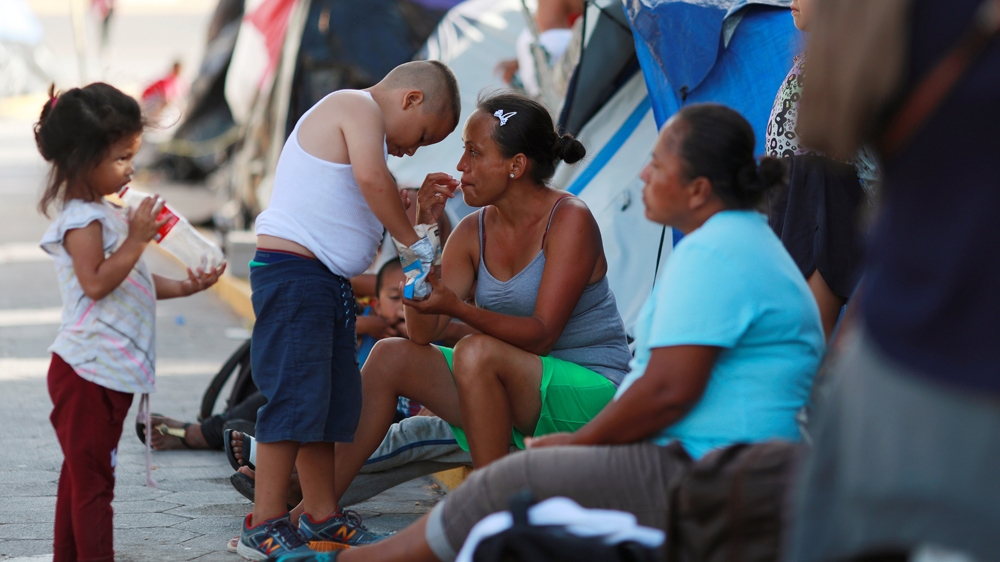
571	396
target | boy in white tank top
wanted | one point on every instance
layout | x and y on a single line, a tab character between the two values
332	195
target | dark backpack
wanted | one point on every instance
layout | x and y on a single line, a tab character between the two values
238	364
730	506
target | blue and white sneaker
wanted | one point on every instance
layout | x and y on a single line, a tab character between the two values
272	538
314	557
337	532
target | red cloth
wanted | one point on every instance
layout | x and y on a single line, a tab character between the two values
271	18
88	421
166	88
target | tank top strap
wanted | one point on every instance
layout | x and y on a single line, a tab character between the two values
482	234
552	213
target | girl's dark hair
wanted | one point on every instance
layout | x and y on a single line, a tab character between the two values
76	130
718	144
531	133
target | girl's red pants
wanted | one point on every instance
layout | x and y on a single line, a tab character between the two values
88	421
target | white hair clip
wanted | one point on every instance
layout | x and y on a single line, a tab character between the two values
503	117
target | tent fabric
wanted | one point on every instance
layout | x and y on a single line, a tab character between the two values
745	75
751	56
255	56
353	45
685	36
619	139
607	61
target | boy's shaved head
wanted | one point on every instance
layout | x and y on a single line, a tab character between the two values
435	80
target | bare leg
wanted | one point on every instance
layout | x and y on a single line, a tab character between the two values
498	387
294	489
409	545
317	477
274	468
396	367
829	302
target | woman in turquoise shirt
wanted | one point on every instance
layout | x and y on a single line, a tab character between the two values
726	349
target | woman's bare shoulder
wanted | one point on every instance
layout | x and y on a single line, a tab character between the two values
465	238
571	214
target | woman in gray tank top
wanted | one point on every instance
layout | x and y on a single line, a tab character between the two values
552	348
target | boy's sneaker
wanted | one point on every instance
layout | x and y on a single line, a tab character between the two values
274	537
314	557
337	532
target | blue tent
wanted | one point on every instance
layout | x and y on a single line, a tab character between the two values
734	52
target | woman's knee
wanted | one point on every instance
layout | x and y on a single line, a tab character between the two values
388	359
473	356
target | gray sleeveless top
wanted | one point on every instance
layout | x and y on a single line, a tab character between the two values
594	336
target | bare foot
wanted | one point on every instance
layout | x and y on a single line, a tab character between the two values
236	442
162	441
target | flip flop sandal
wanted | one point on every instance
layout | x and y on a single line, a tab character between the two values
248	453
178	432
243	484
233	544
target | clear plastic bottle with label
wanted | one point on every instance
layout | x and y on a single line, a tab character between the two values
177	236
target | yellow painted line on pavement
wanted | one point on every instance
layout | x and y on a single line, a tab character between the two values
30	317
26	368
452	478
236	293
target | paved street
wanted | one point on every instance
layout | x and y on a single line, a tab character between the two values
195	510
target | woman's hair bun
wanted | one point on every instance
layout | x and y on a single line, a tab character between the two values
773	172
753	179
568	149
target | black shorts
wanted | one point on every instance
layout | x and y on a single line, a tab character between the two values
303	353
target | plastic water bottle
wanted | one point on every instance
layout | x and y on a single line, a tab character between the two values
177	236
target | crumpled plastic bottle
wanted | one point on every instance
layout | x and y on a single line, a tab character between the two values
418	259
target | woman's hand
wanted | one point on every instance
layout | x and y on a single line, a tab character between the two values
201	280
435	192
142	223
442	300
550	440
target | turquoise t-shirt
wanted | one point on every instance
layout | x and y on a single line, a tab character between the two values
731	284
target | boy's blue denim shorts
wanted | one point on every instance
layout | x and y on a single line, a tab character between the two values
303	353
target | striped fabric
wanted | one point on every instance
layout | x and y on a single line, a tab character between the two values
109	342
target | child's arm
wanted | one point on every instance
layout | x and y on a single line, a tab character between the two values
364	133
99	275
364	285
195	282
